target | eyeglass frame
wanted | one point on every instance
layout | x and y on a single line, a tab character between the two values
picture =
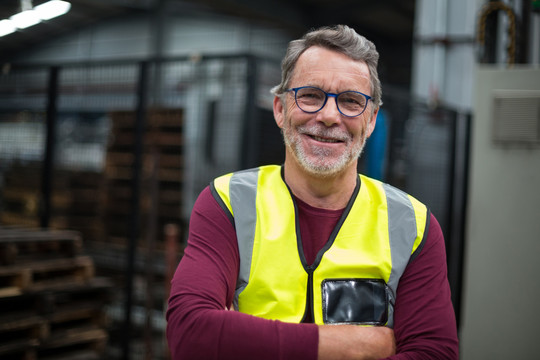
329	94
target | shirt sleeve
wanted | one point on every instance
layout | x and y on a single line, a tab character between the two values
424	318
198	324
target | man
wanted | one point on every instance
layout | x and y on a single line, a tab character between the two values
316	261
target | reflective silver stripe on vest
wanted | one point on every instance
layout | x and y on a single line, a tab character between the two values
402	234
243	193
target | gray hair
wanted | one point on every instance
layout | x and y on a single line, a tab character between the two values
340	38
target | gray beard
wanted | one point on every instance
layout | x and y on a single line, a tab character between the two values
319	167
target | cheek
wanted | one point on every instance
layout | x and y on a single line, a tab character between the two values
290	108
295	116
361	129
290	118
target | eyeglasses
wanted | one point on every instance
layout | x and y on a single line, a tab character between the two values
311	99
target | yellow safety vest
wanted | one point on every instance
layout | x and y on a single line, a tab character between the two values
355	276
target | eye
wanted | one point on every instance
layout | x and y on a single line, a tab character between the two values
352	99
310	94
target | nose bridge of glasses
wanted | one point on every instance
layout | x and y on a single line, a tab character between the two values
331	95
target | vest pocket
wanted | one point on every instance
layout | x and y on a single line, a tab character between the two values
355	301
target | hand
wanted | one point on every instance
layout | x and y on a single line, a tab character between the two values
343	342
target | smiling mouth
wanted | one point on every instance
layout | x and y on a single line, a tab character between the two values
325	140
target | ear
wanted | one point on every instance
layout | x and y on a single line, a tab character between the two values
279	112
371	122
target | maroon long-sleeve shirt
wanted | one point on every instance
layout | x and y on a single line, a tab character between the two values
198	327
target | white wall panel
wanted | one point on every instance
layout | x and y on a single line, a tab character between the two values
459	77
183	35
222	35
117	39
444	54
462	16
422	69
128	37
501	287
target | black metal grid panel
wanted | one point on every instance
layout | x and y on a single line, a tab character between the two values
218	102
23	101
23	88
437	147
217	95
196	114
86	97
428	153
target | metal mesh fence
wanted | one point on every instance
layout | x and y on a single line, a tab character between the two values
193	114
429	158
23	101
211	96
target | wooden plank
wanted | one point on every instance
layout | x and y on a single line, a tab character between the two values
21	200
25	245
164	139
83	298
166	117
119	158
10	218
72	198
14	280
40	274
156	117
75	343
29	177
23	349
127	138
126	173
21	334
87	354
122	210
92	336
171	160
10	291
33	235
36	325
90	312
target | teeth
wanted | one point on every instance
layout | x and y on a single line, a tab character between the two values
325	140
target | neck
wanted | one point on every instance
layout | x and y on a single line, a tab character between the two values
326	192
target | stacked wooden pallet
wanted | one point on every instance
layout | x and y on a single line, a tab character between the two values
74	199
162	172
161	186
51	304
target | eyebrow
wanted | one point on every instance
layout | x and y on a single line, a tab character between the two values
330	92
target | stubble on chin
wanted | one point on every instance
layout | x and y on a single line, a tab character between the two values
318	163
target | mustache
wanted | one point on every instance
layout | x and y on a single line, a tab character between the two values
325	132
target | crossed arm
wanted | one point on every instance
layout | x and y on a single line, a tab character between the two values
355	342
199	328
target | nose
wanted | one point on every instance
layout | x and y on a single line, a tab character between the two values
329	114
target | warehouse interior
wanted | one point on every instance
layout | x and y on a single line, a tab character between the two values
116	114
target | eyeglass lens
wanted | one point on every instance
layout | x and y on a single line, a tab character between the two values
311	99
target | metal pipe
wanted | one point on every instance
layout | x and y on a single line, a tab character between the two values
250	130
133	223
50	147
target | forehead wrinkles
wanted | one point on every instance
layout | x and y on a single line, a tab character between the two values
330	70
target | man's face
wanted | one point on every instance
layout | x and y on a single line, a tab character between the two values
325	143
